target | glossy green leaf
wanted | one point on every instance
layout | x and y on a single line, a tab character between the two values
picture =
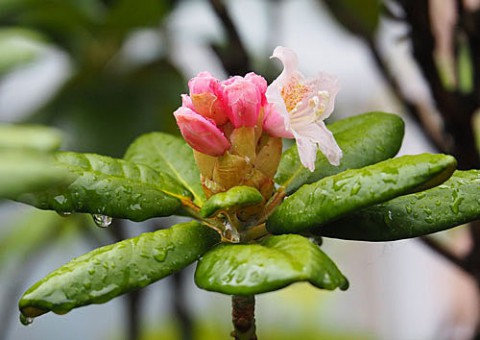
116	269
455	202
333	197
25	170
235	197
166	153
33	137
360	17
113	187
364	139
276	262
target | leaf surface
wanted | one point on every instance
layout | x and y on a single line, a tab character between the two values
276	262
335	196
112	187
24	171
455	202
166	153
116	269
239	196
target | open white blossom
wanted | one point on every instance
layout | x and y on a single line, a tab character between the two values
303	103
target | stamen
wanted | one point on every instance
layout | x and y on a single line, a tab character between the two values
293	93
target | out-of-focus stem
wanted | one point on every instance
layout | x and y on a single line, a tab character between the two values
243	317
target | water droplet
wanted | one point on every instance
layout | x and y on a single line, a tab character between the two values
316	239
429	219
355	189
230	233
388	218
456	205
102	221
26	320
135	207
60	199
64	213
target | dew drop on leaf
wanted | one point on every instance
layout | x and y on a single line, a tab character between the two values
64	213
102	221
26	320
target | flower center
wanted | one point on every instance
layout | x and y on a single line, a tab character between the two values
293	93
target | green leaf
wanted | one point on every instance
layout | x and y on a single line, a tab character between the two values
17	47
25	171
166	153
333	197
455	202
235	197
116	269
245	269
360	17
364	139
112	187
33	137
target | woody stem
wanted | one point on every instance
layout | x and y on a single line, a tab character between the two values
243	317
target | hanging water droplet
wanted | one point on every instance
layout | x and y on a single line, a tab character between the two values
26	320
64	213
102	221
230	233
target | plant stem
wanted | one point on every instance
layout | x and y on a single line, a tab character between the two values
243	317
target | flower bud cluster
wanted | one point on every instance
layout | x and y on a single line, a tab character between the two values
226	124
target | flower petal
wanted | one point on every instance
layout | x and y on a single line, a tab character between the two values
325	87
201	133
318	135
207	97
244	100
274	123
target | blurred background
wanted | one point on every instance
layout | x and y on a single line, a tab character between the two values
106	71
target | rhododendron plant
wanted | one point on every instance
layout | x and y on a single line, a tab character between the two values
257	214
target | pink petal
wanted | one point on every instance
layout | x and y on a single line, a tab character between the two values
274	123
206	96
203	82
201	133
260	83
187	101
244	101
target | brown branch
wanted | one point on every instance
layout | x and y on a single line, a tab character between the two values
243	317
445	253
455	108
432	133
234	56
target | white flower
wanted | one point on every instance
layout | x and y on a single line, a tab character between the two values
303	104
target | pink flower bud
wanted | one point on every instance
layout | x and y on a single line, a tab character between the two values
260	83
187	102
244	99
201	133
207	98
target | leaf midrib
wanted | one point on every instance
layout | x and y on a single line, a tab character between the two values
182	181
81	171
